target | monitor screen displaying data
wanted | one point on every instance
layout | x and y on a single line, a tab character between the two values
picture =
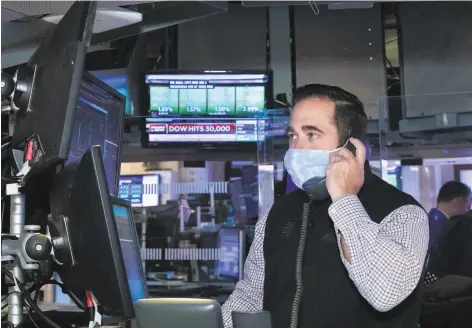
207	94
130	250
231	245
140	190
98	121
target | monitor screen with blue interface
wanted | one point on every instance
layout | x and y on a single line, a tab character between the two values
98	121
394	177
131	257
207	94
231	248
118	80
130	250
140	190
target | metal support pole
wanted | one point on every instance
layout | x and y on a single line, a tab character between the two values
199	217
143	242
212	204
181	218
17	222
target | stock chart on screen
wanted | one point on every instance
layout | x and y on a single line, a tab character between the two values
207	94
97	121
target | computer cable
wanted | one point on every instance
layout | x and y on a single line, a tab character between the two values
6	296
8	324
64	290
28	301
90	307
34	288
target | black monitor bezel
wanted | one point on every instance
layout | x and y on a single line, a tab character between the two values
76	204
101	84
129	208
55	96
242	249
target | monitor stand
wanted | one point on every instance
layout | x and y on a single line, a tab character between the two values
178	313
188	312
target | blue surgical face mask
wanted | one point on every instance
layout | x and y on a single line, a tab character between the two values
307	168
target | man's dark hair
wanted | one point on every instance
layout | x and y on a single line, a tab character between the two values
349	115
451	190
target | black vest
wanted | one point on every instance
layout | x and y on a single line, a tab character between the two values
330	299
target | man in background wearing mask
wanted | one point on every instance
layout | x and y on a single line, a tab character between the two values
347	249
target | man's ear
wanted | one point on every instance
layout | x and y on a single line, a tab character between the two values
457	203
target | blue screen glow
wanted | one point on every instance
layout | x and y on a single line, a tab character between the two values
130	252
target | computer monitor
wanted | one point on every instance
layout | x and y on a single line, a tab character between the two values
231	243
130	248
91	251
140	190
98	121
48	86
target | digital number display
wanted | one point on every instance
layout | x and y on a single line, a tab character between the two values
163	100
249	100
221	101
197	95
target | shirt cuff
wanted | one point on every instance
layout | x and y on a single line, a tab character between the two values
347	212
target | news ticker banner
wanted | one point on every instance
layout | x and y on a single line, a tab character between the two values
244	131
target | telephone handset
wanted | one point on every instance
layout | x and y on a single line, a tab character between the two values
351	147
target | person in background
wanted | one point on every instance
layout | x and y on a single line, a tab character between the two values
454	198
452	253
184	208
346	249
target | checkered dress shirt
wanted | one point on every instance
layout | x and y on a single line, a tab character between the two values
387	259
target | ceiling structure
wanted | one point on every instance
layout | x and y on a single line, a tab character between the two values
26	23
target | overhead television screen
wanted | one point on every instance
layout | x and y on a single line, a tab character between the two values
208	94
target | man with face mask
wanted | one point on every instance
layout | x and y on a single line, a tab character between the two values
347	249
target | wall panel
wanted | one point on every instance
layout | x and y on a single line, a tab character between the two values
232	40
343	48
436	46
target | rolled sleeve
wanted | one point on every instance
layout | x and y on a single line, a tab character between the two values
387	259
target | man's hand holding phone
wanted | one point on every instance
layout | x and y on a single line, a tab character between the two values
345	172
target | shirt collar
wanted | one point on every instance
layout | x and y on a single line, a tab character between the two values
447	216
